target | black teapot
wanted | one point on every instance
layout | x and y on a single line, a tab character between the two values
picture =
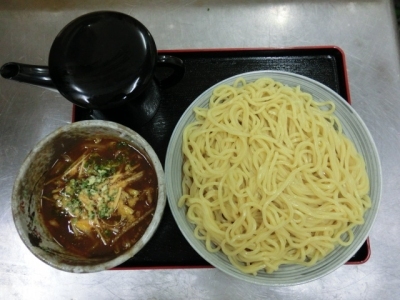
104	61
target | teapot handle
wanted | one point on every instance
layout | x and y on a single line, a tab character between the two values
37	75
178	70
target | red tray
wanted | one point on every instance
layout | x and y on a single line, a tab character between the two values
204	68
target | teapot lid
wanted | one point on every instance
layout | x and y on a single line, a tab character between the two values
102	59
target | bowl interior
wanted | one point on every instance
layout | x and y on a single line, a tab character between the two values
26	196
353	127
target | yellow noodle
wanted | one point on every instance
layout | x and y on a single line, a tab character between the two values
269	177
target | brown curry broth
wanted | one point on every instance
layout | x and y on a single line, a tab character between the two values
84	245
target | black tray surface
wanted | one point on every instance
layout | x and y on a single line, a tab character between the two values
168	248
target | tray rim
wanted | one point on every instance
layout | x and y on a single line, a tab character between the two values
238	50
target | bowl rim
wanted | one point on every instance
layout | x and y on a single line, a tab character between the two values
151	228
213	259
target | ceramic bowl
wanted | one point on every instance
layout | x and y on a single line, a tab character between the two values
26	197
354	128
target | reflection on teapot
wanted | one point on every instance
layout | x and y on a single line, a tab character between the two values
102	61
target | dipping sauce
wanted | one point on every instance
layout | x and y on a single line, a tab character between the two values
99	197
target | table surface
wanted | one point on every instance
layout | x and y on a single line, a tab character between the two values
365	30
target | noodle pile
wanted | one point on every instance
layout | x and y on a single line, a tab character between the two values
269	177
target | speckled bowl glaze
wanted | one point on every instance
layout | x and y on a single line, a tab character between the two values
353	127
26	197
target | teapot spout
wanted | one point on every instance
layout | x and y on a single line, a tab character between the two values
36	75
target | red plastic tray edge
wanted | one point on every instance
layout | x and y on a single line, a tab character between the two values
167	51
